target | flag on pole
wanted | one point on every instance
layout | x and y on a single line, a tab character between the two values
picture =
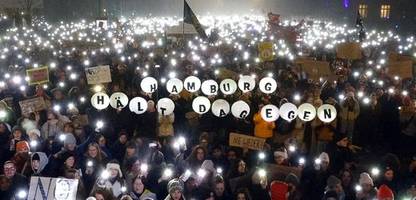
359	22
189	17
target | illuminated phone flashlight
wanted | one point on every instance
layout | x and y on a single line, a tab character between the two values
201	173
318	161
56	108
302	161
188	173
167	173
22	194
375	171
82	99
262	155
292	148
33	143
98	88
62	137
90	163
262	173
123	189
296	97
71	105
99	124
358	188
105	174
144	167
3	114
219	170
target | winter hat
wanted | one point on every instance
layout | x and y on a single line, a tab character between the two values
281	154
91	198
115	166
35	157
65	155
70	139
22	145
208	165
324	157
28	124
330	194
332	181
365	178
34	131
175	184
292	179
384	192
278	190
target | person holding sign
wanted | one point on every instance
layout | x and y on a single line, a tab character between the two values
262	128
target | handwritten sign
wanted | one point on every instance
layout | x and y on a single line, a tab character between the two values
47	188
97	75
32	105
349	50
38	75
316	69
403	69
245	141
266	51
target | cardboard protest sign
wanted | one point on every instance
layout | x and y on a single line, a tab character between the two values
349	50
224	73
38	75
266	51
316	69
245	141
32	105
394	57
97	75
278	172
403	69
47	188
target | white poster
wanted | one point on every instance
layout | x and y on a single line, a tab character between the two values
47	188
97	75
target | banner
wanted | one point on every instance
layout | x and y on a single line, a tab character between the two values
349	50
97	75
245	141
316	69
32	105
47	188
403	69
189	17
265	51
38	75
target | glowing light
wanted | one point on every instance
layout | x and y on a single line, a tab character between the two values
262	172
292	148
262	155
201	173
375	171
144	167
99	124
318	161
302	161
105	174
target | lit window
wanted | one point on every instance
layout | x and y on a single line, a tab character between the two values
363	10
385	11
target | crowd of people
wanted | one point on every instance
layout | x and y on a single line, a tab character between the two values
366	153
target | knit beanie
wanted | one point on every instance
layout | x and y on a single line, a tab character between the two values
70	139
175	184
22	145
